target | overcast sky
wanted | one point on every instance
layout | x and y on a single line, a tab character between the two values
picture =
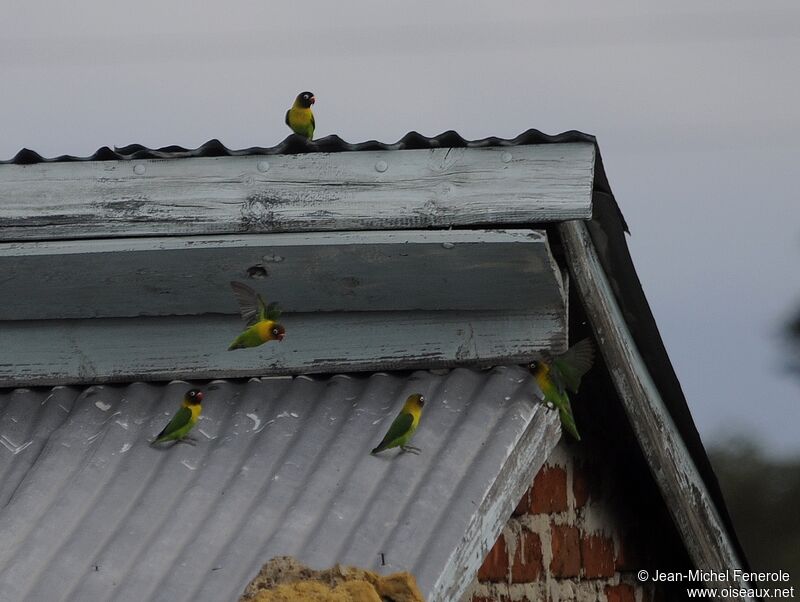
696	107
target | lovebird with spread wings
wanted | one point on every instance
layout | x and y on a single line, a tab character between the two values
261	319
561	374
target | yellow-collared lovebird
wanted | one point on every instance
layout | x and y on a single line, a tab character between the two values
403	427
184	419
561	374
261	319
300	117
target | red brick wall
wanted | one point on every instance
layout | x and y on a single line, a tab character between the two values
578	533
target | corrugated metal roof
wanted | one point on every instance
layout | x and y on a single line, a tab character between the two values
607	230
294	144
89	511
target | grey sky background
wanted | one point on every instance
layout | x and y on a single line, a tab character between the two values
696	107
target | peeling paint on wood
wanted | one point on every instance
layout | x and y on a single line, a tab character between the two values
333	272
128	349
305	192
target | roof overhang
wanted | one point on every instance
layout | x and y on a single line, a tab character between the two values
128	261
364	190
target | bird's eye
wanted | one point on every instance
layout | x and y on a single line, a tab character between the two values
275	331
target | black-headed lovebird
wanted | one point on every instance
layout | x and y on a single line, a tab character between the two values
561	374
261	319
403	427
184	419
300	117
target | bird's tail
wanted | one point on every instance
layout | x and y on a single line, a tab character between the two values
568	420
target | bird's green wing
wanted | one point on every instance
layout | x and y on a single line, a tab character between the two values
179	420
400	426
251	305
273	312
262	307
287	118
313	126
573	364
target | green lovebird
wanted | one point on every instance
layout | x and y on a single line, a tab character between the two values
403	427
184	419
300	117
561	374
261	319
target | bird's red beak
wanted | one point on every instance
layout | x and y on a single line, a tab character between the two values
313	100
199	396
280	336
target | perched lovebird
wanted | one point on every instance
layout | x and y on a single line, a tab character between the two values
403	426
184	419
261	319
299	117
561	374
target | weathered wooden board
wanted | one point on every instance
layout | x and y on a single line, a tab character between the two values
97	350
313	191
672	466
334	271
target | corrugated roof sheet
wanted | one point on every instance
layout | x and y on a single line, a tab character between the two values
294	144
89	511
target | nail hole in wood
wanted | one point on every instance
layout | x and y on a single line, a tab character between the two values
257	271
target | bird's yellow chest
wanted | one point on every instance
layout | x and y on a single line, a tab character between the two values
300	117
415	416
195	409
542	376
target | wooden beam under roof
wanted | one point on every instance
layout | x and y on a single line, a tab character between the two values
103	350
469	270
157	309
364	190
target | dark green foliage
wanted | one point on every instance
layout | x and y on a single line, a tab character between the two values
763	497
794	342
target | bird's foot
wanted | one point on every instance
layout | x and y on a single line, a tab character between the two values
410	449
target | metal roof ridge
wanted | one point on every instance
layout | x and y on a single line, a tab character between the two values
294	144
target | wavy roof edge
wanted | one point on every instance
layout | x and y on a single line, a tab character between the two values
294	144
